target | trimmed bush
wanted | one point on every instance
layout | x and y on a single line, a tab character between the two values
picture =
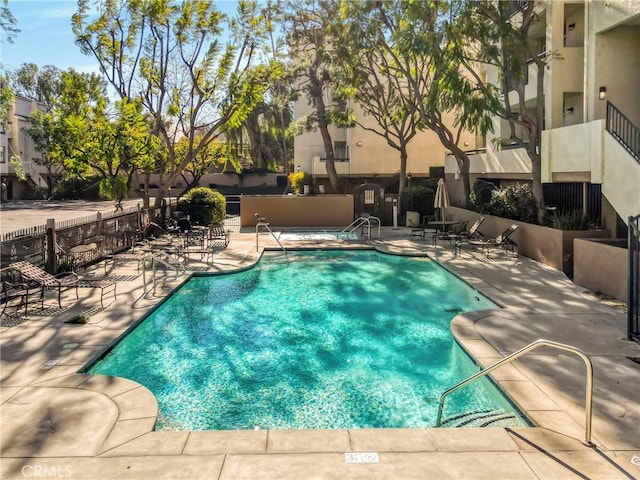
204	205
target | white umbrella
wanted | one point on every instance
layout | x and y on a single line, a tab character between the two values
442	197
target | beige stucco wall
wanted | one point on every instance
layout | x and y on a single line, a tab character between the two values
612	56
575	149
546	245
621	178
369	153
617	67
297	210
601	266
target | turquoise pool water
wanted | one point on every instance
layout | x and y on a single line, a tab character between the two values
327	339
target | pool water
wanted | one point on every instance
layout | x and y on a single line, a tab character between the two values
326	339
324	235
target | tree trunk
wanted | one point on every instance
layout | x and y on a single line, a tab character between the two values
323	126
403	170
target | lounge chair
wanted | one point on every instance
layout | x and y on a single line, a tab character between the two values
472	234
502	241
45	281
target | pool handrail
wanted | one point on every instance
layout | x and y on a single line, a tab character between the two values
524	350
361	222
262	222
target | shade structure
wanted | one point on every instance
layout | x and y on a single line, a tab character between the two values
441	201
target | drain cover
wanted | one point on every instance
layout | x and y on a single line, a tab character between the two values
50	364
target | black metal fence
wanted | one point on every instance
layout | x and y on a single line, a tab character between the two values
633	311
48	245
627	134
569	197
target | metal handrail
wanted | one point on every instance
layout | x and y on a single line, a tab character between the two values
265	225
623	130
510	358
360	222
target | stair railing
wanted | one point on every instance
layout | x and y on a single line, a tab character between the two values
623	130
515	355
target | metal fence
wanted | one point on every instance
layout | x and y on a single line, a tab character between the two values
50	245
633	311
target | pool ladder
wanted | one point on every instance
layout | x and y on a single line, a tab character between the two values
156	258
362	222
263	224
524	350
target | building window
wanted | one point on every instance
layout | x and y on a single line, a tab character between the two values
341	150
369	197
2	155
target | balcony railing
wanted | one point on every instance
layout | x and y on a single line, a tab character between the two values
512	8
336	159
627	134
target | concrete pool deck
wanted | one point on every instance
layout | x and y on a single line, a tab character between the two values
57	423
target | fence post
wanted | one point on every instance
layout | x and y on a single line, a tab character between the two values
51	264
100	234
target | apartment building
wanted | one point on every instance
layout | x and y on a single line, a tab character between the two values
362	154
14	142
591	91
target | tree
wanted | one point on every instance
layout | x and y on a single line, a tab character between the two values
8	22
215	154
8	30
82	133
505	41
308	23
371	77
39	84
43	86
427	34
169	57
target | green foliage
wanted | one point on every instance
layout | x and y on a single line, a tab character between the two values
515	201
77	188
571	220
113	188
480	197
204	205
297	180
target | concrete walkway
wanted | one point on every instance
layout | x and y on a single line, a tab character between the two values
59	423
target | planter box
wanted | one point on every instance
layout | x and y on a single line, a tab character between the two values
602	266
546	245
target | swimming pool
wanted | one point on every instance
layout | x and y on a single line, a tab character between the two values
317	235
325	339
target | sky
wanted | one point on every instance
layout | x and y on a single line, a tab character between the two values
45	36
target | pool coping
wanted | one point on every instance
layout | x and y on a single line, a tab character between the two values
132	433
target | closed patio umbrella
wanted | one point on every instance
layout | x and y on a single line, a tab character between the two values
441	200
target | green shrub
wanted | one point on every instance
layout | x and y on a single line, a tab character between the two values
514	201
480	196
204	205
77	189
571	220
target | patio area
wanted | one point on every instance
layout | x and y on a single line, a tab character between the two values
57	422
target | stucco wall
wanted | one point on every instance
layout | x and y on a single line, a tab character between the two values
601	266
297	210
546	245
